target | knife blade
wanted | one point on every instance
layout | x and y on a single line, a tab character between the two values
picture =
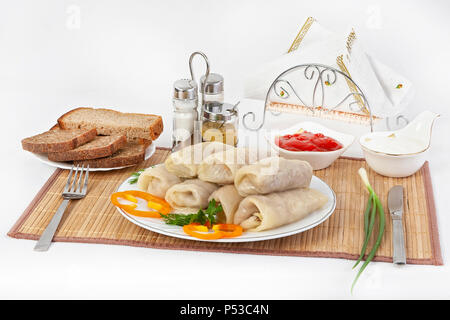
395	205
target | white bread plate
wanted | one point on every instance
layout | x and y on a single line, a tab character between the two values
317	159
68	165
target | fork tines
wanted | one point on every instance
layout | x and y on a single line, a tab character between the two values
77	186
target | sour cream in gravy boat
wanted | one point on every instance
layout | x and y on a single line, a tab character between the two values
402	152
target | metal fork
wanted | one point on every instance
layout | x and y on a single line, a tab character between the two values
73	191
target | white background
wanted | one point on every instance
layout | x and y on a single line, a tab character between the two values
55	55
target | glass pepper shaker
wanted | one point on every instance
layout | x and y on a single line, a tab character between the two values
213	89
220	122
185	103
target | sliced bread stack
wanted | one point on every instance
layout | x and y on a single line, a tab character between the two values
99	147
108	122
132	153
100	138
58	140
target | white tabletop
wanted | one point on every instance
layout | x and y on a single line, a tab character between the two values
58	55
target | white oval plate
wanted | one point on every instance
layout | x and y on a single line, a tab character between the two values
68	165
310	221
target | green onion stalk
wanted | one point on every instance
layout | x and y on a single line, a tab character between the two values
373	207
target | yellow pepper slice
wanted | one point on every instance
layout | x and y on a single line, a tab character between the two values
156	206
129	197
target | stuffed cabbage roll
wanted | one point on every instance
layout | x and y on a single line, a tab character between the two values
190	195
221	167
157	180
184	163
229	198
263	212
272	175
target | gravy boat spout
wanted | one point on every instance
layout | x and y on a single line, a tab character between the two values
420	128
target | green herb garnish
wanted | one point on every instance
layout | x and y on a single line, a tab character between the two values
135	177
373	206
202	216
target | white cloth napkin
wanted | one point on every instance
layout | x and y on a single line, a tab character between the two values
388	92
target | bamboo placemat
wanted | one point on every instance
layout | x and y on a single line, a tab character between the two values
95	220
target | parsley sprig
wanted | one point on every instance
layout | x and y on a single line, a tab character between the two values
135	177
202	216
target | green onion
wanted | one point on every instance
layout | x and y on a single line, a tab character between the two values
366	216
368	225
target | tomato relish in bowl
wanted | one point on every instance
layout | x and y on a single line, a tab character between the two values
307	141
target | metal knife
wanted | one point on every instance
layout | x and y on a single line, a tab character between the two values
395	204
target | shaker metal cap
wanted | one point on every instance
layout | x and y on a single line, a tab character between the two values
185	89
218	111
214	83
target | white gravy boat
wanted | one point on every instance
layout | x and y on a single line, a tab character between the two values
402	152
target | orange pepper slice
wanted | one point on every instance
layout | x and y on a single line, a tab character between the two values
153	202
228	230
201	232
221	230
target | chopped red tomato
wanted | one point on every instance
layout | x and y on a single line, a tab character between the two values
307	141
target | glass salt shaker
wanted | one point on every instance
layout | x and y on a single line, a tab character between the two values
220	123
185	103
213	89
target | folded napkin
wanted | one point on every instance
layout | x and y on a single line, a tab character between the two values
387	92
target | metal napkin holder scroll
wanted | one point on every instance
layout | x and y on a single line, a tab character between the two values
323	78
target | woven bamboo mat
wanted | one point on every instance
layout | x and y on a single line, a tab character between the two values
95	220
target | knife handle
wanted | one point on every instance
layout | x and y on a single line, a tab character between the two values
398	240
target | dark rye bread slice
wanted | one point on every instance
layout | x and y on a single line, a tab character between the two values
133	140
58	140
109	122
100	147
133	153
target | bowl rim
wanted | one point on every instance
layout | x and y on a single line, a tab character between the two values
328	153
386	153
403	155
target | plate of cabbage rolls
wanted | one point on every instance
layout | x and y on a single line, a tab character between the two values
267	198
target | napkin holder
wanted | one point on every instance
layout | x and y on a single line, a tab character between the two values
388	91
287	94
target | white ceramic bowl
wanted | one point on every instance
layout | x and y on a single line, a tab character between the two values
318	160
391	165
396	166
402	152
